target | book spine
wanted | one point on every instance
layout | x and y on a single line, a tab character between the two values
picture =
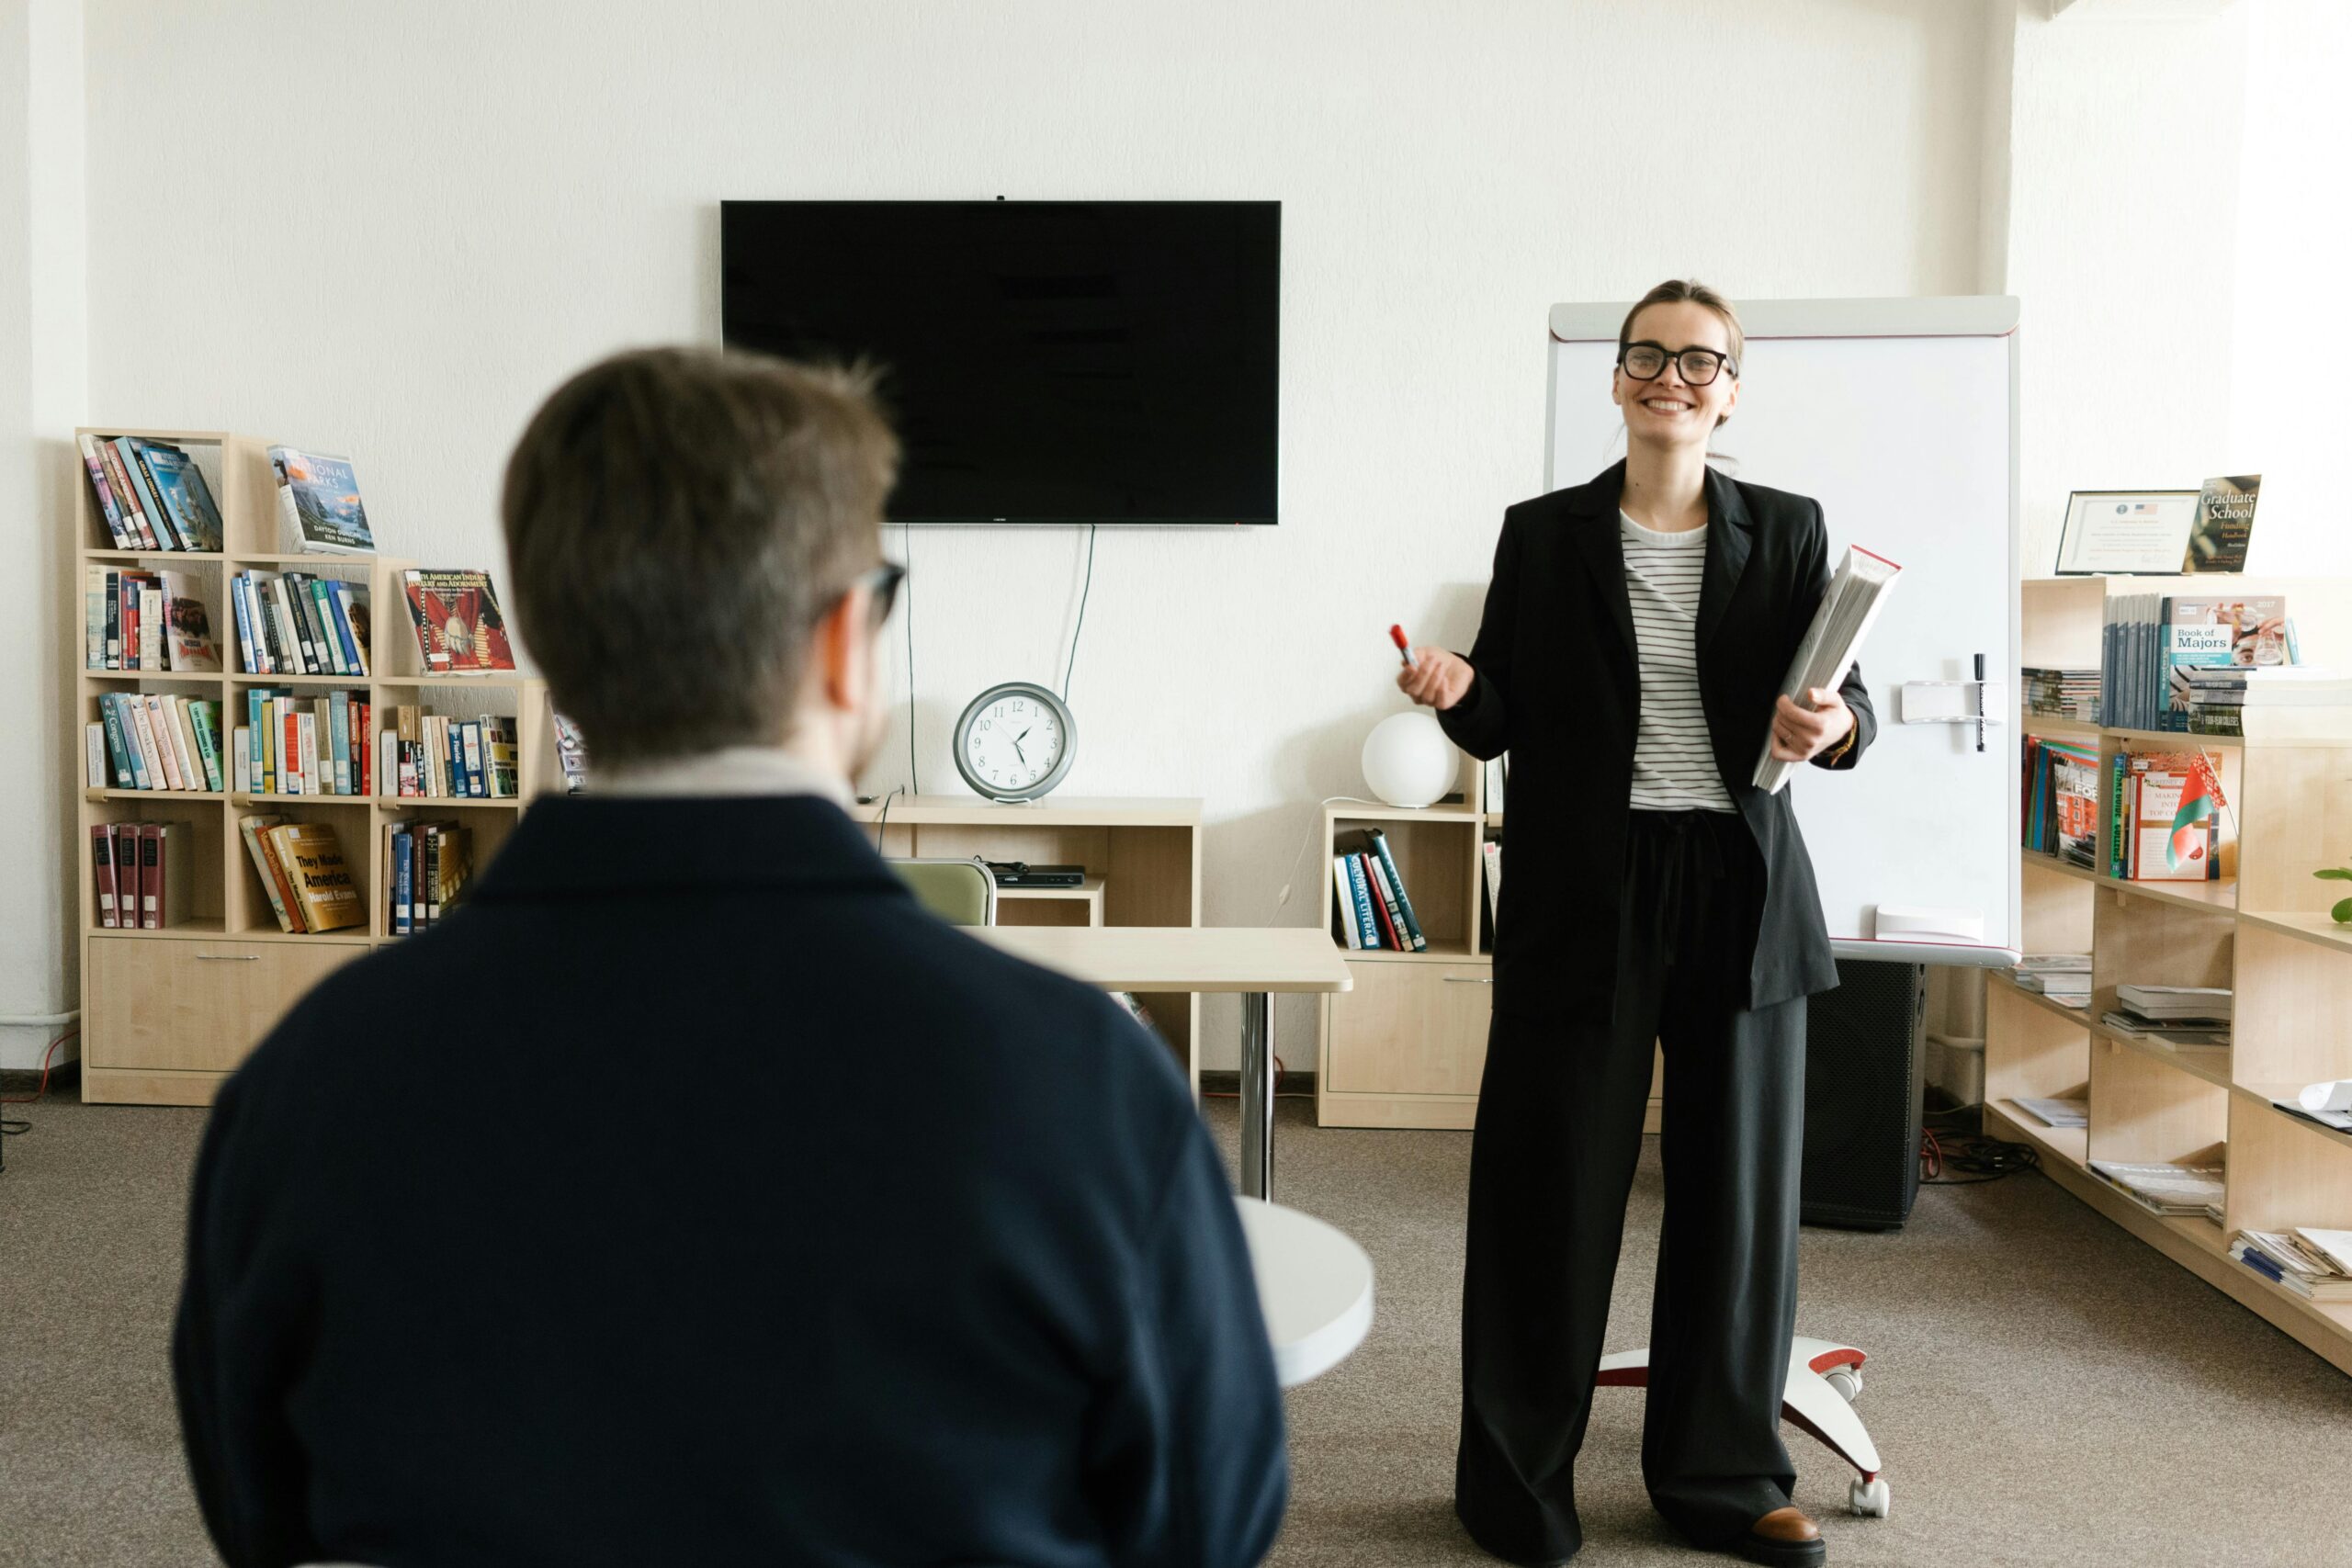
113	608
403	881
102	862
266	867
162	496
348	596
362	750
118	526
1382	910
110	713
477	781
94	754
206	718
339	742
158	521
1396	886
1345	895
287	727
317	779
322	618
93	618
152	624
241	757
144	760
432	889
151	877
142	536
182	724
1360	891
337	594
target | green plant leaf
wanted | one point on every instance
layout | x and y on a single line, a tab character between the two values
2335	874
2343	911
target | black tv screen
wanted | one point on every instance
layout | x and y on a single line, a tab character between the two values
1044	362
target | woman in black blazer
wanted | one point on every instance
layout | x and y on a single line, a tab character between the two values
1635	635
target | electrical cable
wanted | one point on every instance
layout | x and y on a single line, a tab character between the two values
1983	1158
1070	669
14	1126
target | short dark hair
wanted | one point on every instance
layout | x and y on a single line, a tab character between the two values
677	520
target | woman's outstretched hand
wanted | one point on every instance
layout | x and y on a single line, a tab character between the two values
1436	679
1799	735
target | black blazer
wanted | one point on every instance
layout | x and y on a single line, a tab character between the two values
1558	685
690	1195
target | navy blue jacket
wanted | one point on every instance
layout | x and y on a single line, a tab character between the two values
690	1195
1558	685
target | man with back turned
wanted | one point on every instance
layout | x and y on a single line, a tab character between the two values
690	1194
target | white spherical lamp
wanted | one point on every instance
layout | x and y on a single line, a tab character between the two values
1407	761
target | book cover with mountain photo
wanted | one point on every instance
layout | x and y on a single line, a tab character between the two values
2217	540
318	501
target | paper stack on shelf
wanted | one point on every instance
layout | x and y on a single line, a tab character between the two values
2064	977
1855	591
2058	1112
2177	1004
2317	1269
2061	694
2164	1187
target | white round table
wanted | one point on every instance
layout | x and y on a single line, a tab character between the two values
1314	1285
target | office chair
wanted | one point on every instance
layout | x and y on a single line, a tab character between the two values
961	892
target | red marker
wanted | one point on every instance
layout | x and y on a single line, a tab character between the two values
1404	648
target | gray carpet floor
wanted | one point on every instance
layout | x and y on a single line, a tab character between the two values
2045	1390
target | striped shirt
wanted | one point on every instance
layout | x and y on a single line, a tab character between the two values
1674	763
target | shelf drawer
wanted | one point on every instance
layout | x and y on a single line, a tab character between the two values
166	1004
1411	1028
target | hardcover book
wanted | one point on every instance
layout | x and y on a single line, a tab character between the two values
188	626
322	883
317	500
459	628
2217	540
181	491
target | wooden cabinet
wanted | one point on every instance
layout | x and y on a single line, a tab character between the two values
1411	1028
170	1006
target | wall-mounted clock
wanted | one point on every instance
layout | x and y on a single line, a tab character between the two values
1015	741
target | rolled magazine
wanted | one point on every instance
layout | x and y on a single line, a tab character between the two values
1855	590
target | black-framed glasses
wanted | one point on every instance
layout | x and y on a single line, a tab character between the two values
1646	362
882	583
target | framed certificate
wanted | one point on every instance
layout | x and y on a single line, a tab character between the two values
2111	532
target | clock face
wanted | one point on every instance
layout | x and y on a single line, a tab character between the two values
1013	742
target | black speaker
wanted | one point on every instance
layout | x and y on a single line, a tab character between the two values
1865	1045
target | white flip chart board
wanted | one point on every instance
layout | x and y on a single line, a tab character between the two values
1900	417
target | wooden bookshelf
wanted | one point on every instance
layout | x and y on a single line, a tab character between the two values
1142	858
1407	1047
166	1014
2263	931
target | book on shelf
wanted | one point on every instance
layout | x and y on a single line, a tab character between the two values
1498	777
427	865
2149	640
145	873
2061	693
2059	814
2166	810
157	743
2164	1187
2187	1036
318	502
1490	856
306	743
431	755
311	887
2056	1112
1857	591
458	627
2177	1003
2313	1270
294	623
151	494
2223	524
135	620
571	749
2064	977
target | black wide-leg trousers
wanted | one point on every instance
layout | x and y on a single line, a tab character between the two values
1559	1129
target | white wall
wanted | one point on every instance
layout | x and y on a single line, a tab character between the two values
41	396
390	230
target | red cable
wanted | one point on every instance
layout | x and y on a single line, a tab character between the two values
45	1059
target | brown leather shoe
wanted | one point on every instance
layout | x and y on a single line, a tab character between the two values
1784	1538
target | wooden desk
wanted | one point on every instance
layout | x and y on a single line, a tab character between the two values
1255	961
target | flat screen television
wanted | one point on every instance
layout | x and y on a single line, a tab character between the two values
1044	361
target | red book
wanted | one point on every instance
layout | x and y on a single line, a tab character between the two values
1388	936
151	876
298	766
102	857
